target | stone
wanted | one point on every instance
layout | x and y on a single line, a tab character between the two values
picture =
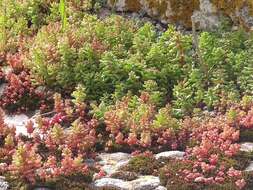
113	162
110	183
250	167
19	121
124	175
142	183
7	70
208	14
3	184
161	188
246	147
145	183
170	154
90	162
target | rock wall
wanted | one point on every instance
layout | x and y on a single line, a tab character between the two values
206	13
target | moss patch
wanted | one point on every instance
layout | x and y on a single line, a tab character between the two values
246	135
143	165
73	182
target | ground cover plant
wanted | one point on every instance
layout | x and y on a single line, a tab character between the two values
110	83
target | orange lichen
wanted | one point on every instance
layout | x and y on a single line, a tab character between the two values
230	7
133	5
159	5
130	5
181	10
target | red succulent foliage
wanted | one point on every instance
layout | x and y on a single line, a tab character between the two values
215	143
247	120
56	146
20	94
15	61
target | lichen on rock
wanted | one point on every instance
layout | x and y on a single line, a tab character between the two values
208	13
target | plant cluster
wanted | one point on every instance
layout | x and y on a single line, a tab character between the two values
210	162
120	56
138	123
131	87
53	150
19	94
20	19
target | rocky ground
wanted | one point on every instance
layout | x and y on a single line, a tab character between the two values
112	164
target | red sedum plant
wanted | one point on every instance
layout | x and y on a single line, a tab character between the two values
20	94
209	162
55	147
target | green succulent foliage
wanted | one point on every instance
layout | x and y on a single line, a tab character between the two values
20	19
109	58
79	94
112	57
222	78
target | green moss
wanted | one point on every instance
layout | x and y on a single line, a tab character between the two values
246	135
243	159
143	165
248	176
74	182
169	177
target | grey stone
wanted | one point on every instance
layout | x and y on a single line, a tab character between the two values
90	162
116	184
250	167
247	147
114	161
7	70
161	188
170	154
244	14
206	17
145	183
3	184
19	121
142	183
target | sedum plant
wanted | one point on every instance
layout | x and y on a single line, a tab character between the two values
138	123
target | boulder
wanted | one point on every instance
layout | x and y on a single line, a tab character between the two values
112	162
247	147
18	121
161	188
110	183
170	154
250	167
142	183
145	183
3	184
207	14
